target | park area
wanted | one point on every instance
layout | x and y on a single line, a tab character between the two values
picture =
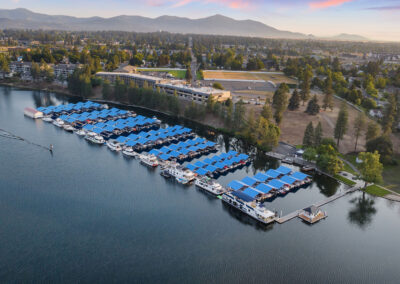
177	73
274	77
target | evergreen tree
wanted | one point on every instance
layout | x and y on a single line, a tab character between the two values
238	116
359	125
389	115
266	111
188	75
294	102
373	131
308	139
313	106
328	98
318	133
306	83
280	101
341	124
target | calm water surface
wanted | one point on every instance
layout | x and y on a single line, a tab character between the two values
86	214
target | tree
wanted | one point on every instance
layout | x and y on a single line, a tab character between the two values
389	115
266	111
373	131
306	83
313	106
238	116
218	85
308	139
328	159
35	71
341	124
294	102
280	101
384	146
370	167
188	75
210	103
106	91
310	154
318	133
328	98
359	125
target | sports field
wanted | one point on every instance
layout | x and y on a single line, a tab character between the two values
179	74
277	78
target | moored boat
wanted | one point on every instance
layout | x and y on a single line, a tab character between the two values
182	175
97	139
58	122
250	208
209	185
68	127
114	145
130	152
80	132
149	160
47	119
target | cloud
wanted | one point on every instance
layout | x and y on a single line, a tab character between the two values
327	3
234	4
385	8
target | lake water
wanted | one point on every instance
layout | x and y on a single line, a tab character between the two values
86	214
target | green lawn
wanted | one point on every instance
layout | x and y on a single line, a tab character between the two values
345	180
391	176
376	190
179	74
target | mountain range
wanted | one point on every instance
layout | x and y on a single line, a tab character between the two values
216	25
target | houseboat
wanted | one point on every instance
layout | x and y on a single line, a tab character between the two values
128	151
68	127
209	185
312	214
96	139
149	160
58	122
182	175
249	206
32	113
113	145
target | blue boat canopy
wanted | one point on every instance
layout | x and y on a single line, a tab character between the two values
261	177
242	196
251	192
200	164
272	173
154	152
201	171
263	188
276	184
121	139
208	161
211	168
249	181
288	179
191	167
235	185
299	176
284	170
164	156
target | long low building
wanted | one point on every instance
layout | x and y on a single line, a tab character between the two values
198	95
138	79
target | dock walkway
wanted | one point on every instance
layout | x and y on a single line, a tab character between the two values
296	213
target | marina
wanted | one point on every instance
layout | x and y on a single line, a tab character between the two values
95	215
146	139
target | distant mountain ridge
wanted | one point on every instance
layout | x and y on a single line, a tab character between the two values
215	25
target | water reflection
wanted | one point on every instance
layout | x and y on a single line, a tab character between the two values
362	212
327	187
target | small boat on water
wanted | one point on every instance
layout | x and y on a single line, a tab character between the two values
47	119
114	145
130	152
58	122
149	160
165	174
209	185
80	132
97	139
251	208
68	127
182	175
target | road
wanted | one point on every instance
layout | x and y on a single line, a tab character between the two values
193	64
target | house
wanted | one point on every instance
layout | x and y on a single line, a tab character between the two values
312	214
64	70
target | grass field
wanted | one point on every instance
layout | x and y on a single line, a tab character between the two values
376	190
345	180
179	74
276	78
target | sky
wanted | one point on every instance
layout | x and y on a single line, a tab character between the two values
374	19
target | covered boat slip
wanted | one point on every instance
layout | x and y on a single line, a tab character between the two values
70	108
219	164
181	151
263	185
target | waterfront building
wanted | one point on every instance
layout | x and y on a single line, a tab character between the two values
138	79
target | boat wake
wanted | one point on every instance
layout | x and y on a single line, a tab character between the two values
9	135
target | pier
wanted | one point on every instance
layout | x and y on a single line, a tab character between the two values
296	213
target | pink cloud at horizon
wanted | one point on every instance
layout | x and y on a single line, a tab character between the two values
327	3
234	4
